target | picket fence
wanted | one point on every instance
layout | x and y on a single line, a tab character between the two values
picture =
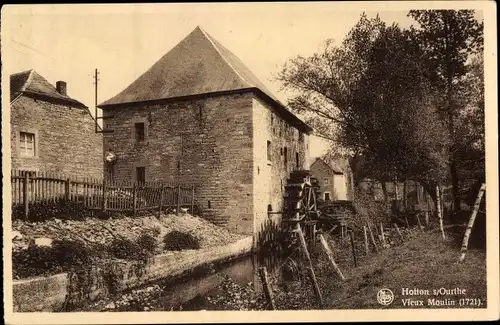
98	194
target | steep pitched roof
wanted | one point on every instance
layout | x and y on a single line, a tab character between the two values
332	165
32	84
197	65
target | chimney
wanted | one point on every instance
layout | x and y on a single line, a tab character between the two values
61	87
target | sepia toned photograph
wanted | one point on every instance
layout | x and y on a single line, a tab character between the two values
256	159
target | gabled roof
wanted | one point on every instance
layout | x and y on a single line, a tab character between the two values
332	165
197	65
32	84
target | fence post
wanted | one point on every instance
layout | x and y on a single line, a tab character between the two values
382	235
178	200
351	235
192	200
329	253
267	288
25	195
103	194
66	190
134	198
161	200
365	233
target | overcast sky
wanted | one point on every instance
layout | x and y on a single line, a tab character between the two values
67	43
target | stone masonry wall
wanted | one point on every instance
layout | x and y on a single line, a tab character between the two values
270	176
65	142
204	142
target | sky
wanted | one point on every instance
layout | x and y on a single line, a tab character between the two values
68	42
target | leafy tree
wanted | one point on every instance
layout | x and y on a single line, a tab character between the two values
448	38
370	97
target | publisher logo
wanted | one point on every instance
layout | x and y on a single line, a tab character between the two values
385	297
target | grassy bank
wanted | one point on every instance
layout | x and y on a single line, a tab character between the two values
425	262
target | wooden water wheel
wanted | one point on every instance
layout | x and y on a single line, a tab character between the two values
300	208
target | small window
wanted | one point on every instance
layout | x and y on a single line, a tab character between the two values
269	153
27	144
140	174
297	159
285	154
327	196
326	181
140	133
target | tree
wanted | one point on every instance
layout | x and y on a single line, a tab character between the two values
448	38
370	97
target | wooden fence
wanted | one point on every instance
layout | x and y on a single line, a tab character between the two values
97	194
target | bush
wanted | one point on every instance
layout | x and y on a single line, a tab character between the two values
44	210
126	249
147	243
62	256
368	209
177	241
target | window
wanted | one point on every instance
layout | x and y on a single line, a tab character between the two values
140	174
269	153
27	144
285	154
327	196
140	133
326	181
297	159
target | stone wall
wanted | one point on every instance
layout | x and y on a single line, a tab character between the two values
65	138
45	294
270	175
203	142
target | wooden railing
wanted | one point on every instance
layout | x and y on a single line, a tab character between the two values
98	194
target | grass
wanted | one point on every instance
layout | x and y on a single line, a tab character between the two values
425	262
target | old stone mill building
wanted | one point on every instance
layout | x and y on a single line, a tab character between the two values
199	117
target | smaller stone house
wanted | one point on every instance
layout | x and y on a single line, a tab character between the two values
50	131
334	182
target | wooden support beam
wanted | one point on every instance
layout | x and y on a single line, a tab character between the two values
439	211
382	235
353	247
310	268
374	243
365	234
268	292
399	232
329	253
465	242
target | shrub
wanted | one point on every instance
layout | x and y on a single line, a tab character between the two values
44	210
369	210
147	243
125	249
62	256
177	240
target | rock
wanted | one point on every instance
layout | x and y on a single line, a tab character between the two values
16	235
43	241
111	305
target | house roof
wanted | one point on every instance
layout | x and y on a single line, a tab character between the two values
198	65
32	84
332	165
